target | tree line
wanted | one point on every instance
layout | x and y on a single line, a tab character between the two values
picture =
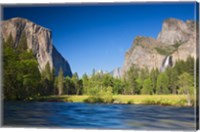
23	80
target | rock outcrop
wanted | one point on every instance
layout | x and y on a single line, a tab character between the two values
174	30
39	40
177	40
116	73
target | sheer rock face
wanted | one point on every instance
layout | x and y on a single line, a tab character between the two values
178	31
144	53
39	39
174	30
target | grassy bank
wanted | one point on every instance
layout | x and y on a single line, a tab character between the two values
174	100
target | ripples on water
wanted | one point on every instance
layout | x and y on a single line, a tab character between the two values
103	116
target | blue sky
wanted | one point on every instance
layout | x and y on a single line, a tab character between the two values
96	36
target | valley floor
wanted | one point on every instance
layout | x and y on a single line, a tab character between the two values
173	100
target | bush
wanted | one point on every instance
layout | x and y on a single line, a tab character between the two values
100	95
107	95
94	100
165	101
181	102
159	101
130	102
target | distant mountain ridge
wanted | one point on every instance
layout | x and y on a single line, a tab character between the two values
39	39
116	73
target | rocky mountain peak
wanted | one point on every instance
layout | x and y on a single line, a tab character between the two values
39	40
174	30
140	42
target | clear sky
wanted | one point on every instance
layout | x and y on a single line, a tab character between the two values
96	36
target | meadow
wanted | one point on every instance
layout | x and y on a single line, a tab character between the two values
170	100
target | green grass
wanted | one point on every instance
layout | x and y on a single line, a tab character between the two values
174	100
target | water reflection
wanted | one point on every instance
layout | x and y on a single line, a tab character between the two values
82	115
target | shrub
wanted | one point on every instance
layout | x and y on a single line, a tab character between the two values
130	102
107	95
94	100
159	101
100	95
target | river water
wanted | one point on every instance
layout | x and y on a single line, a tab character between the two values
97	116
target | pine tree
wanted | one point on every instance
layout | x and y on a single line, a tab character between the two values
143	75
197	75
21	74
173	78
190	65
47	73
9	43
10	70
119	86
154	76
47	80
131	77
85	83
147	87
186	84
180	66
69	85
60	82
29	76
22	45
162	84
77	83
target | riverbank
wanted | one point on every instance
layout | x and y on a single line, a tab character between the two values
172	100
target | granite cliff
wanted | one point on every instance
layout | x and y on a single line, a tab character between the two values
176	41
39	40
